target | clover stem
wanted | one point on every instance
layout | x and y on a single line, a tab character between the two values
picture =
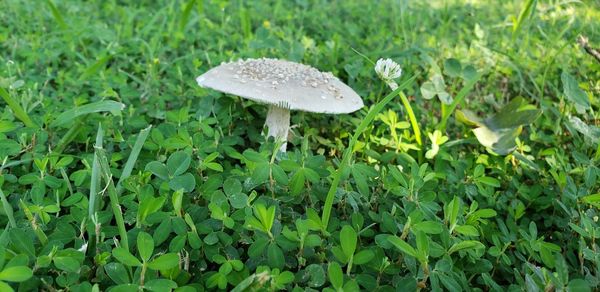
143	274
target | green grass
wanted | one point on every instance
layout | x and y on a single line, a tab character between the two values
357	202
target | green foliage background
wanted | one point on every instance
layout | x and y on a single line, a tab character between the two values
118	172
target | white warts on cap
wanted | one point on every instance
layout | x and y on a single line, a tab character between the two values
279	73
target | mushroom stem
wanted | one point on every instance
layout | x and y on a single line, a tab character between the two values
278	123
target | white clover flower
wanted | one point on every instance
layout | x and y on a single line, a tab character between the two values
387	69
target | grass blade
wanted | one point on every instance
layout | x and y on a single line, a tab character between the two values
337	175
57	15
4	236
95	180
8	210
411	117
14	163
69	136
457	100
185	15
112	194
65	177
100	106
17	109
525	12
135	152
245	21
411	114
94	68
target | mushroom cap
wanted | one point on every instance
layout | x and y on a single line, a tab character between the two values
283	83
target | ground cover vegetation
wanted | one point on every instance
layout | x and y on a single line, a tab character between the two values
476	168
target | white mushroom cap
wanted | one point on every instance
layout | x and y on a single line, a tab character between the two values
282	83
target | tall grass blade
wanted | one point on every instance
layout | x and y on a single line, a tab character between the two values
95	107
69	136
337	175
411	117
457	100
526	12
57	15
8	210
65	177
16	108
94	68
411	114
245	21
133	156
114	198
95	179
4	236
14	163
185	15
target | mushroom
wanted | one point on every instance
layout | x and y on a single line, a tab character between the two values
284	86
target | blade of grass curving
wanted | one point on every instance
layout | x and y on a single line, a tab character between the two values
551	62
411	118
69	136
133	156
185	15
4	235
57	15
8	210
337	175
526	12
100	106
95	179
95	67
112	194
363	55
411	114
245	21
65	177
457	100
16	108
14	163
